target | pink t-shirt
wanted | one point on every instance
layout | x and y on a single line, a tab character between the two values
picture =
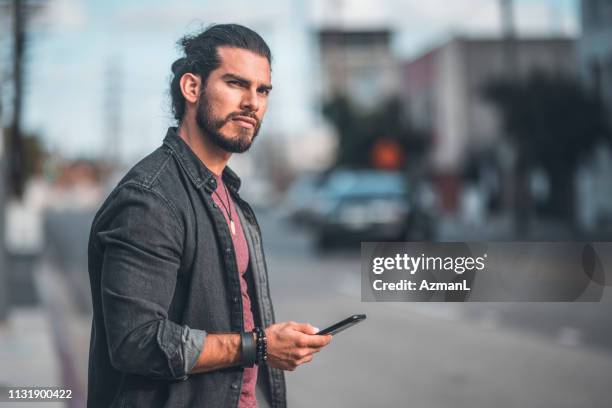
247	395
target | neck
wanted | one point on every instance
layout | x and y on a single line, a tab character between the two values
213	157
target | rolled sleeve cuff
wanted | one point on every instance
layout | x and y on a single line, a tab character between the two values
193	344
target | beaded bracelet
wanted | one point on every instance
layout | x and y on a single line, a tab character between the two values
262	345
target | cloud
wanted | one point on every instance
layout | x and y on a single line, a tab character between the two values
400	13
484	16
543	18
141	18
62	16
420	24
350	13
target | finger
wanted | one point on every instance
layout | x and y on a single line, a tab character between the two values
318	341
304	360
305	352
314	341
306	328
312	350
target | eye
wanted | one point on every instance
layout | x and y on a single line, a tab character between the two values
264	91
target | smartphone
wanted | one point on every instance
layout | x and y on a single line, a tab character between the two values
343	325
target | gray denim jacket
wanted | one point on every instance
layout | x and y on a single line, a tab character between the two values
163	273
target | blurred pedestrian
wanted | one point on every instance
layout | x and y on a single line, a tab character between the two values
182	309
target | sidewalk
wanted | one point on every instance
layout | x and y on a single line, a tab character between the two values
46	345
27	353
70	328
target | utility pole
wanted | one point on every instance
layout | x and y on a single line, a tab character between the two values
12	169
15	154
15	145
519	197
4	306
508	37
4	177
112	110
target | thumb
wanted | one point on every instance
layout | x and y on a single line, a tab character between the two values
306	328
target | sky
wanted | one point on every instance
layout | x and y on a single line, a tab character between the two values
77	45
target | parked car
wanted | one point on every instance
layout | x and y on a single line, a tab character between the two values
361	205
299	200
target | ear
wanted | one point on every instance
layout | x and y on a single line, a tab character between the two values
190	87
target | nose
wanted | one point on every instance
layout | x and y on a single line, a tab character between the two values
250	100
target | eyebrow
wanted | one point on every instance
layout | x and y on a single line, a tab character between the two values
244	81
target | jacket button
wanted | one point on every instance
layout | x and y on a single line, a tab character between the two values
228	251
234	386
235	299
214	205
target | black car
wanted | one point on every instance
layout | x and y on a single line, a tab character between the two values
353	206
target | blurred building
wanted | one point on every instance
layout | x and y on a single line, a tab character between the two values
595	56
442	91
355	58
3	267
357	64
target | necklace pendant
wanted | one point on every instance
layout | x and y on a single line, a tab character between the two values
233	227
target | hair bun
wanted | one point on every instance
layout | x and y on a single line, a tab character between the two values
188	44
179	65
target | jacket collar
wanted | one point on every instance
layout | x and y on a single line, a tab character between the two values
199	174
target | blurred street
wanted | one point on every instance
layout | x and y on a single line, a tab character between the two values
404	354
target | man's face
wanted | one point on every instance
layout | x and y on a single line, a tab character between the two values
234	99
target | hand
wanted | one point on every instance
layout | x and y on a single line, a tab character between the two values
291	344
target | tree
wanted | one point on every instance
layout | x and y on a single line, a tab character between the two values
360	131
553	122
34	153
20	10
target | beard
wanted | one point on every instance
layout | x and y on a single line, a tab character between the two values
211	127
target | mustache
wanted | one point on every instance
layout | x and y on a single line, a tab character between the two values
245	113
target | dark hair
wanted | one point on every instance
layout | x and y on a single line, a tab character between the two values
201	56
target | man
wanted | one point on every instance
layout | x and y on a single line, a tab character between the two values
178	276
